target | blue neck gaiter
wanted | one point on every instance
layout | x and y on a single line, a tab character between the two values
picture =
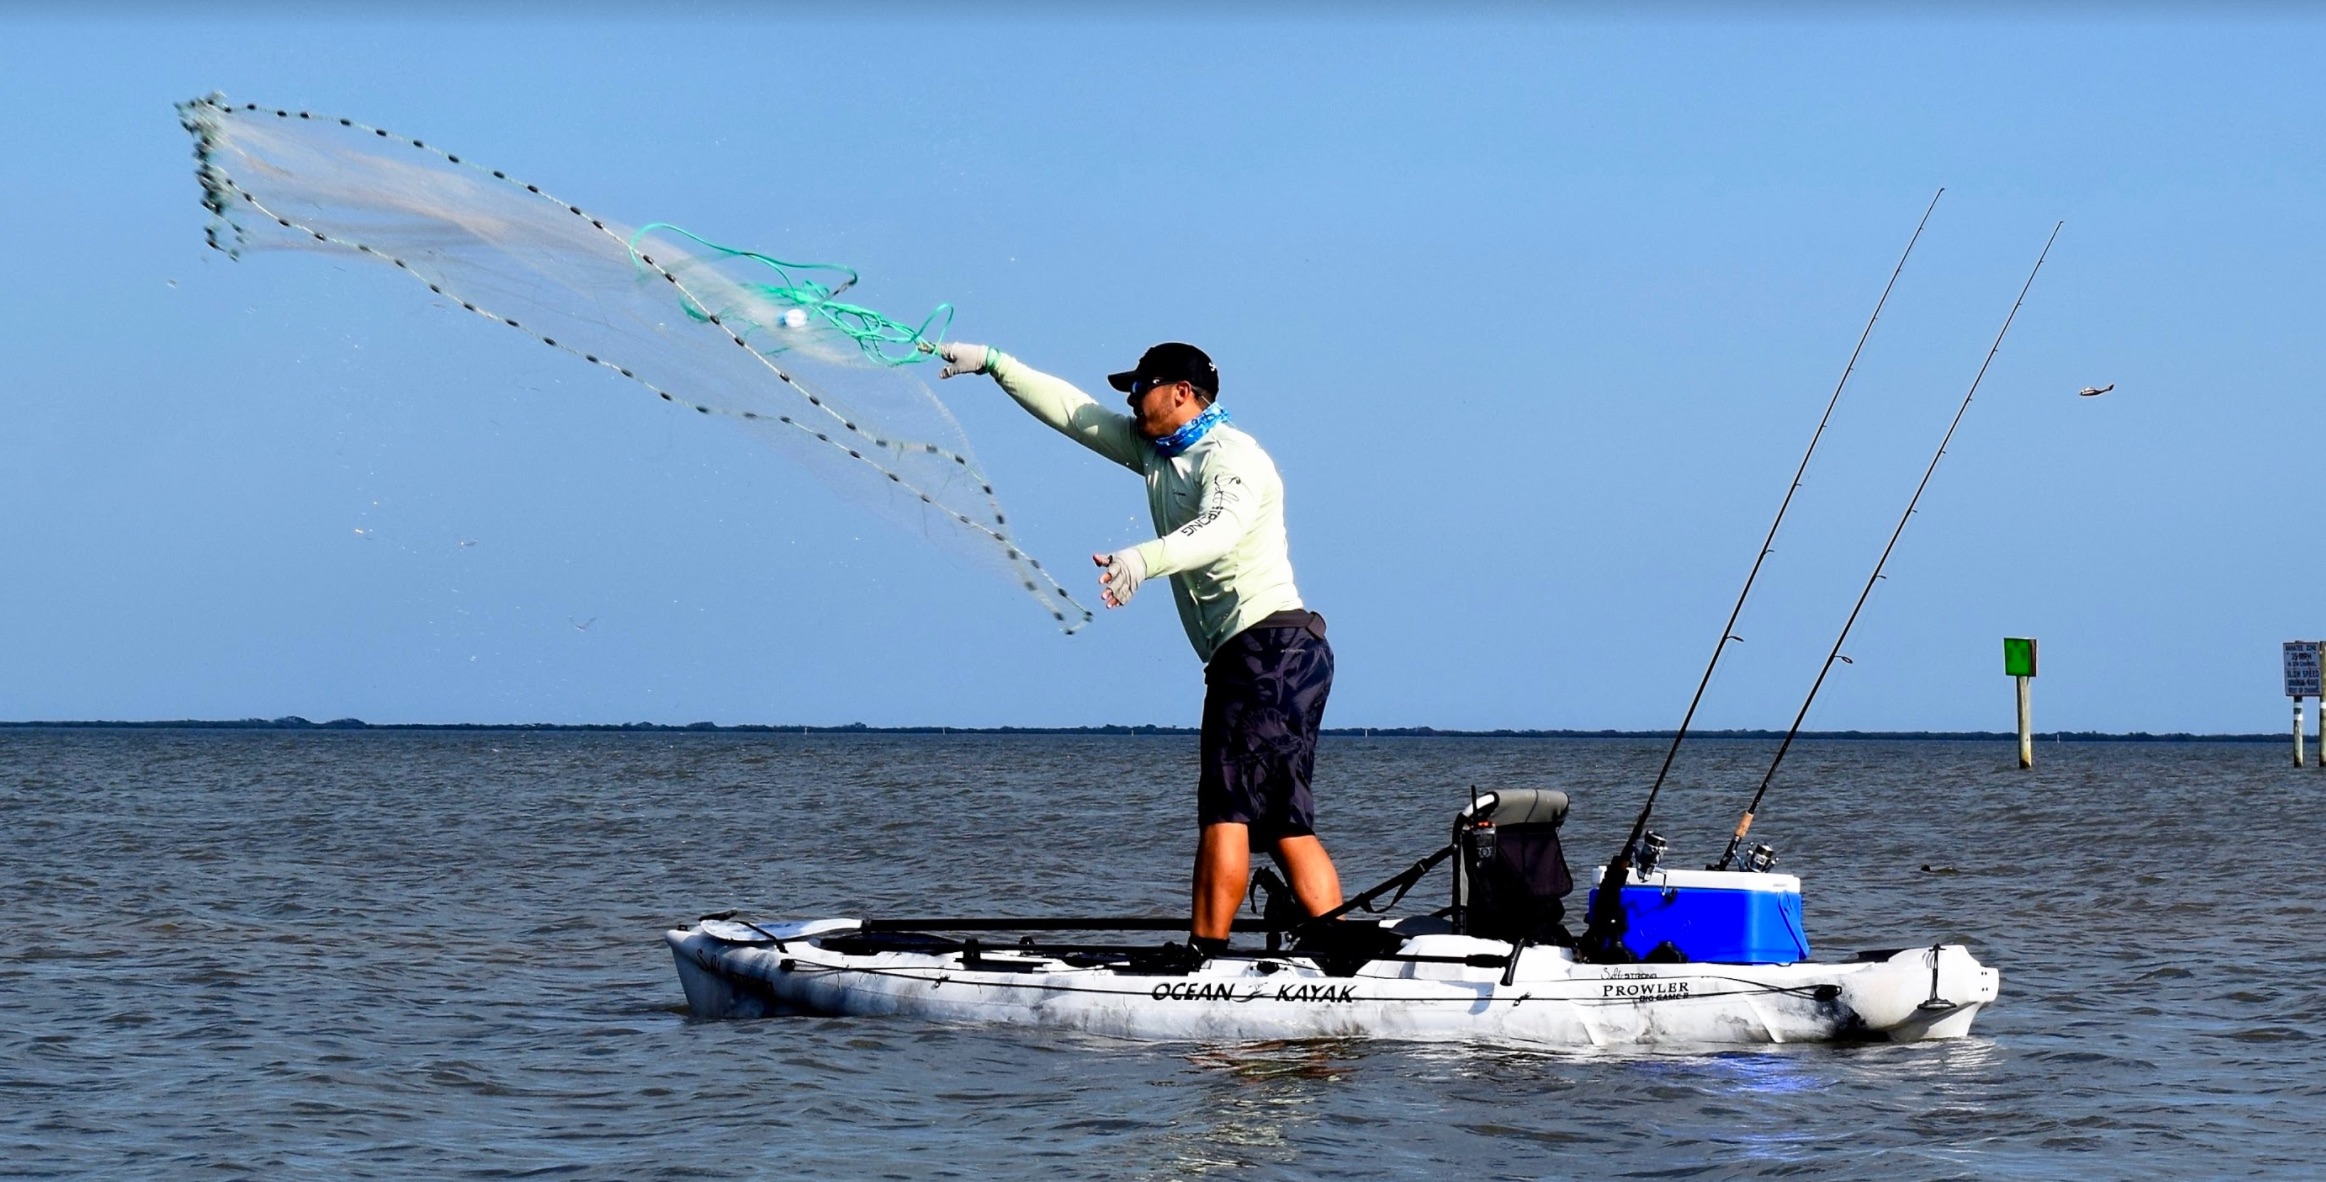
1193	431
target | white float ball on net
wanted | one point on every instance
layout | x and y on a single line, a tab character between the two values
795	318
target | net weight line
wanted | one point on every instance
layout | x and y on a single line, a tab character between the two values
221	193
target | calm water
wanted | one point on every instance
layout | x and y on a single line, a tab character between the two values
433	955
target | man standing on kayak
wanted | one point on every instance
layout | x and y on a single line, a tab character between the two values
1218	506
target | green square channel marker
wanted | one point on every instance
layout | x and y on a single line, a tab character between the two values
2018	656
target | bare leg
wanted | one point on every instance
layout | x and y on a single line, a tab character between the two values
1314	881
1223	865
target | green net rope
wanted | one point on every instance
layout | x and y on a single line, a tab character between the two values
883	340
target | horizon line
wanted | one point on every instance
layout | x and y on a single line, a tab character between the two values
296	723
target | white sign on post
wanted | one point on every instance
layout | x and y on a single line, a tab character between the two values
2302	669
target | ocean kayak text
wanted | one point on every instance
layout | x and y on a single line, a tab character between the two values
1226	991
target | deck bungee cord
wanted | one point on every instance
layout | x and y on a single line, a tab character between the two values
1745	822
827	383
1602	938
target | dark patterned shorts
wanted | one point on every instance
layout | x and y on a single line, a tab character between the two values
1264	698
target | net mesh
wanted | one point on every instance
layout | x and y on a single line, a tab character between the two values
733	334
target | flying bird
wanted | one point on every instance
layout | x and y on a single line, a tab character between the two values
2095	391
581	625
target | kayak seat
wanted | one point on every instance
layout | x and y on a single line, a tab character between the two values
1511	878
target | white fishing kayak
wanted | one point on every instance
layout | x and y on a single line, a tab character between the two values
1455	993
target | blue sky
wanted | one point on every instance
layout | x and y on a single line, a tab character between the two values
1534	311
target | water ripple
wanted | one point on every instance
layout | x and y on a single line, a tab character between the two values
368	955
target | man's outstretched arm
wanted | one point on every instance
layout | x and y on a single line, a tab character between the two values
1053	400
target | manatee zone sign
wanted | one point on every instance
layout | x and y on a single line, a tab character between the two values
2302	669
2302	682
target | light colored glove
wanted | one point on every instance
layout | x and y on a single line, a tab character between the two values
961	359
1119	576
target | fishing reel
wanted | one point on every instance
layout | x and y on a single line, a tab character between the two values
1758	860
1652	849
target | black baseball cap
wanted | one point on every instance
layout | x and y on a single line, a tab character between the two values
1170	361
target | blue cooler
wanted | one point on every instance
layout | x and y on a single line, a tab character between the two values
1721	916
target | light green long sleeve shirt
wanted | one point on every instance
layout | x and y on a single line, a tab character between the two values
1218	506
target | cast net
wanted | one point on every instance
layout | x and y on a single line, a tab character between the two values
762	343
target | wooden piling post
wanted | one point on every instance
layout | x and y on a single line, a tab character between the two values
2019	663
2320	648
2026	724
2297	730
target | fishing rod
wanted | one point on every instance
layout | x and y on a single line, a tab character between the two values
1603	932
1745	823
1068	923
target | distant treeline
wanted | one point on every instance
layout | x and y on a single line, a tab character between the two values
295	723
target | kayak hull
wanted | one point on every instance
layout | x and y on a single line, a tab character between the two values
733	970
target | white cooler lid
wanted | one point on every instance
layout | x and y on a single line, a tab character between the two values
1711	880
